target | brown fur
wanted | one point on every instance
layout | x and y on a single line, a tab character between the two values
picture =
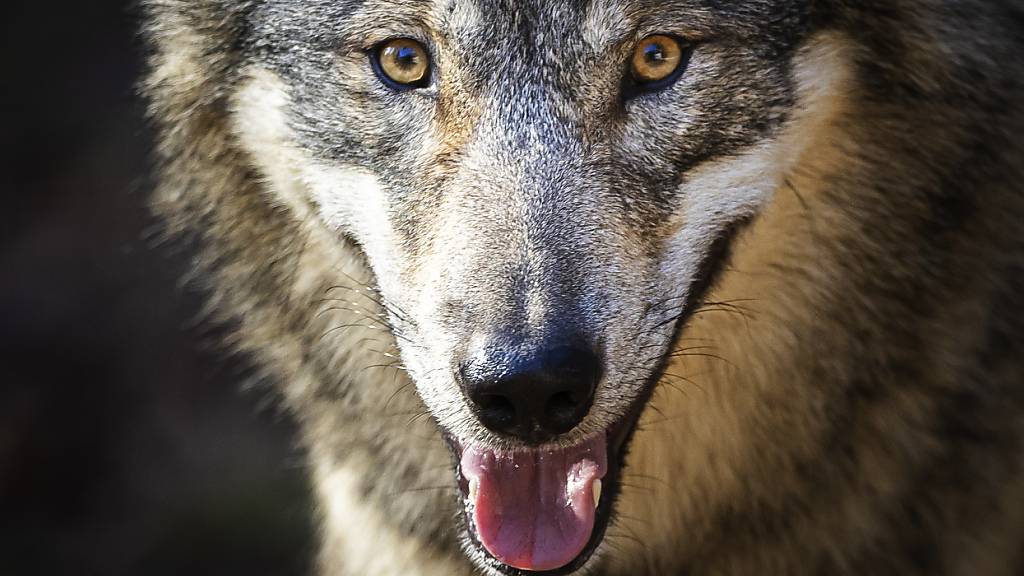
848	400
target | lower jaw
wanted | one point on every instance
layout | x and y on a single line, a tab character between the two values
618	436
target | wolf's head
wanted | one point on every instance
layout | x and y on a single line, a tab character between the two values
542	190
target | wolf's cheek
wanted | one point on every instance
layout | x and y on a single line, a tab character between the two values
720	193
347	199
715	197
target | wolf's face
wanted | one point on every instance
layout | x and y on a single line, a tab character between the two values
542	190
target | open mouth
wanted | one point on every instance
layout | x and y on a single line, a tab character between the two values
541	510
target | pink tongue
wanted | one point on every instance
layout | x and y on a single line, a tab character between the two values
534	510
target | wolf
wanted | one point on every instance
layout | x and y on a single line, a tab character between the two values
619	287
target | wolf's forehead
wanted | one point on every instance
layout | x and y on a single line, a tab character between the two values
519	28
515	30
552	31
491	34
527	22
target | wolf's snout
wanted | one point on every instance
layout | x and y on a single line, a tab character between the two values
533	396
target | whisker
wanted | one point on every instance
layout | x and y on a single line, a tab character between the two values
673	386
382	318
665	420
421	415
396	393
345	326
381	301
642	476
700	355
646	489
685	380
393	365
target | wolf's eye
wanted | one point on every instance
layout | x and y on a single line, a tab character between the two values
402	63
658	61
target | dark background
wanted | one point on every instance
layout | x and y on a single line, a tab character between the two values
127	445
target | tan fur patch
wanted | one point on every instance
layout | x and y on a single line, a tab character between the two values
691	450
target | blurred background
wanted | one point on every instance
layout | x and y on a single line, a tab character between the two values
127	445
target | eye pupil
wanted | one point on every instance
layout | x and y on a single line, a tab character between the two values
406	56
654	53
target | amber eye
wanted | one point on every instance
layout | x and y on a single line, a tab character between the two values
402	63
658	59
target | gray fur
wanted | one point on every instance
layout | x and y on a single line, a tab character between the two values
866	415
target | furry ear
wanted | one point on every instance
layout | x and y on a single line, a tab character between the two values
194	57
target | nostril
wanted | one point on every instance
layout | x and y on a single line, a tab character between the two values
562	412
561	404
493	402
496	411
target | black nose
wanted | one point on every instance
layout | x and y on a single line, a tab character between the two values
534	396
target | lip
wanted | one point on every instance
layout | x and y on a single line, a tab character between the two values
618	436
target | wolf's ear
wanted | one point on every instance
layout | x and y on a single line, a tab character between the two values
195	54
